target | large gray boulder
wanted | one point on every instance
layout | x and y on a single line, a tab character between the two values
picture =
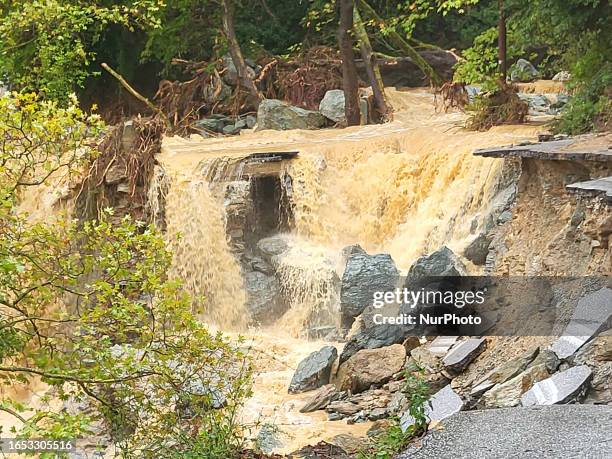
264	298
523	71
364	274
332	105
281	116
314	371
441	263
373	337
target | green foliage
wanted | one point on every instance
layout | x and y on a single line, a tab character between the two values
89	308
392	440
387	444
48	45
188	29
418	392
479	64
590	106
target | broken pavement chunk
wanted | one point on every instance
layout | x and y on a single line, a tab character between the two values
559	388
461	355
441	405
593	314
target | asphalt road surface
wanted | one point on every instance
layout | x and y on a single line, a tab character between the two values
558	431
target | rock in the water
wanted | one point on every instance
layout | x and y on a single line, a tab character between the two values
269	438
364	274
370	367
478	249
523	71
593	314
462	354
368	405
210	124
314	371
441	405
563	75
539	104
279	115
442	262
332	105
373	337
272	246
321	398
562	387
264	298
251	121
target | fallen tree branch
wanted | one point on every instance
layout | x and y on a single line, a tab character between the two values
404	46
136	94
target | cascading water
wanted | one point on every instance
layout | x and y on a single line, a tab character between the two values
403	188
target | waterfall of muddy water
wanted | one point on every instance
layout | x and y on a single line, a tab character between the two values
403	188
195	231
309	275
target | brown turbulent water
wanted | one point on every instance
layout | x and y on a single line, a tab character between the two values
403	188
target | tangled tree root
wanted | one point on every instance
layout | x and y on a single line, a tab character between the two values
500	107
134	157
451	96
304	80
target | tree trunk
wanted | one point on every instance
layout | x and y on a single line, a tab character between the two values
501	42
372	69
244	79
350	81
404	46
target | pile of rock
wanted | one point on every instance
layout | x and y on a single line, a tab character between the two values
278	115
222	124
369	382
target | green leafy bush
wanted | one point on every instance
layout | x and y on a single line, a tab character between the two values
89	308
48	46
393	439
590	106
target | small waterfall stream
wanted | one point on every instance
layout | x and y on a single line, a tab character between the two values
403	188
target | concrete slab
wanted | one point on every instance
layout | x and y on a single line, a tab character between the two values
441	405
580	148
461	355
592	315
559	388
598	187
